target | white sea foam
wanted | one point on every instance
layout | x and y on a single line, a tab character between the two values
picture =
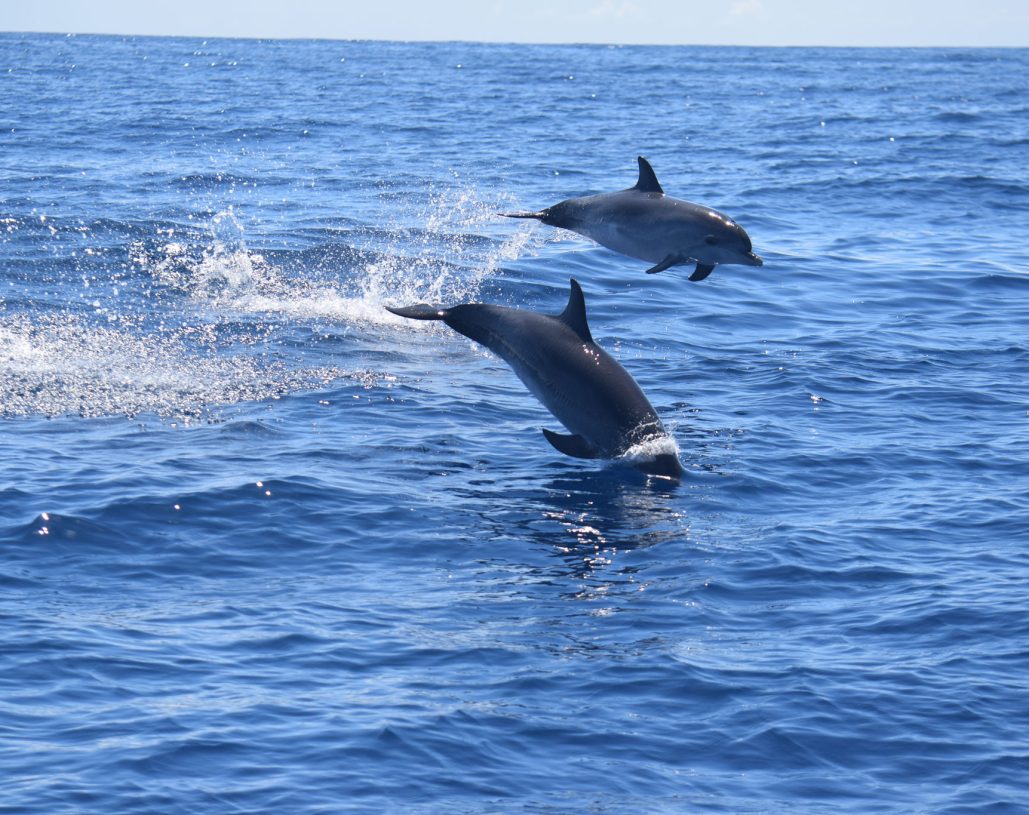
649	450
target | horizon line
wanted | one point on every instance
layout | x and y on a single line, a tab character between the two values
69	34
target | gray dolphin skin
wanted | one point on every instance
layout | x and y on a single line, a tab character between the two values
644	223
578	381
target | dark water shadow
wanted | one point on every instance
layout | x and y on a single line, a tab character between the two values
572	526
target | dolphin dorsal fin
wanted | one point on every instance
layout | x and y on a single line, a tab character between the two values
574	315
647	181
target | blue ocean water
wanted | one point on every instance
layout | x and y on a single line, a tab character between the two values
266	547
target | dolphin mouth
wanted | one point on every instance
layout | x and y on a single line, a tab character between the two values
754	260
656	455
663	465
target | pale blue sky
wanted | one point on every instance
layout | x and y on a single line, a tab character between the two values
718	22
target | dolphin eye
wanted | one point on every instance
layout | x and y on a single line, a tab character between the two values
710	240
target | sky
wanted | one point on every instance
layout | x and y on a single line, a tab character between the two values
678	22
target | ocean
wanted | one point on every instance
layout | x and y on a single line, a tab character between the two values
265	547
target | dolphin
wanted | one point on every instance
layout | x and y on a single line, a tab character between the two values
578	381
644	223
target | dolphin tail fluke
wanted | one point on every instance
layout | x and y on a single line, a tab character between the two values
422	311
575	446
539	216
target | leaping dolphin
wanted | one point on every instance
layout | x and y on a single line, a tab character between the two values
578	381
644	223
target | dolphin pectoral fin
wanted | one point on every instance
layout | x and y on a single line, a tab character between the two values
702	271
575	446
668	262
422	311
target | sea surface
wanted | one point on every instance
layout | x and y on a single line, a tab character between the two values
265	547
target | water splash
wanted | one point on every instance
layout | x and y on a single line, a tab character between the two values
224	272
54	365
212	322
446	260
649	450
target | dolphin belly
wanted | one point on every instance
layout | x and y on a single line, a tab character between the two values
624	239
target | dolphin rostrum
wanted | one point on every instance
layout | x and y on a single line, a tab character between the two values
576	380
644	223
